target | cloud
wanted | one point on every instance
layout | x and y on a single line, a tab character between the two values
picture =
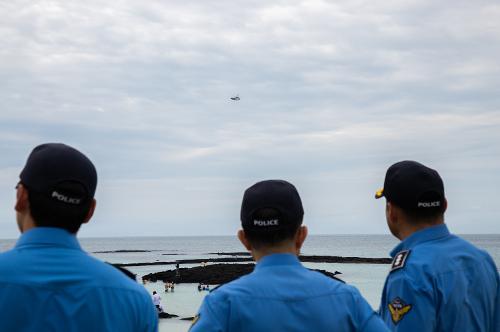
331	93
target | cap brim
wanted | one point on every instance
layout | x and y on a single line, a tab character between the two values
379	193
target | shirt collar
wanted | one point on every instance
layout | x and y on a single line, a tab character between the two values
48	236
424	235
277	259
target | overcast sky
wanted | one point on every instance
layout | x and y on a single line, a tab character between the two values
332	93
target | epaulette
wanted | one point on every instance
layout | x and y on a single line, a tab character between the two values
399	260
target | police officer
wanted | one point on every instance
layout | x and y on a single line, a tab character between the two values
47	282
280	294
438	281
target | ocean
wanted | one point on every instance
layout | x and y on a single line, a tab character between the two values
184	302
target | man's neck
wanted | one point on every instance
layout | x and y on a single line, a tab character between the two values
411	228
259	254
25	222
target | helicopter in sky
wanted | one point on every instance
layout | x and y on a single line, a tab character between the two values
235	98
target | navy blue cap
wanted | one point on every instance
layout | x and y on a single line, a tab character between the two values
278	195
61	172
411	185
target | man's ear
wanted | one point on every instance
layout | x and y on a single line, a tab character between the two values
243	239
391	212
22	201
300	237
91	211
445	204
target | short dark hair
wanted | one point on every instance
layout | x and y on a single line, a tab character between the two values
424	215
47	212
269	238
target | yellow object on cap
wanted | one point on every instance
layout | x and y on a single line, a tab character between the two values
379	193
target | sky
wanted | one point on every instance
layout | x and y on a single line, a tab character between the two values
332	93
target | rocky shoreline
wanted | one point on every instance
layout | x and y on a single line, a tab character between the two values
119	251
303	258
213	274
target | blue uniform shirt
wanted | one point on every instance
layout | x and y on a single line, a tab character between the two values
47	283
440	282
282	295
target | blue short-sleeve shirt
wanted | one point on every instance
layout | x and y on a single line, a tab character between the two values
440	282
48	283
281	295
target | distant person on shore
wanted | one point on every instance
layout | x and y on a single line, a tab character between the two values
47	282
169	286
438	281
281	294
157	301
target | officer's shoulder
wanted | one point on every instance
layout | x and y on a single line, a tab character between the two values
9	264
464	247
324	276
216	288
8	256
327	283
110	276
334	286
239	286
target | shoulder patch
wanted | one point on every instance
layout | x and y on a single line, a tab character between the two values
398	309
399	260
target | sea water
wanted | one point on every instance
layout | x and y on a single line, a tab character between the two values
184	302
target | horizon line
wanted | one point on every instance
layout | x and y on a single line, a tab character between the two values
230	235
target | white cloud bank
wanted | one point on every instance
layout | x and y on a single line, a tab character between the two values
332	94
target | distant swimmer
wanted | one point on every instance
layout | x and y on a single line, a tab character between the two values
438	281
235	98
281	294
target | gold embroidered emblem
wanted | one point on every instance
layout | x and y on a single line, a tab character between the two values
398	309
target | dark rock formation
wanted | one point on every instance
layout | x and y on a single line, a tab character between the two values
146	263
238	253
215	260
166	315
119	251
340	259
214	274
303	258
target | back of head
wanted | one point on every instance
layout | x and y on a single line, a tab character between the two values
61	183
417	189
271	213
